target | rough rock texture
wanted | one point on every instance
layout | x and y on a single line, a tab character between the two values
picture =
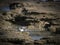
34	17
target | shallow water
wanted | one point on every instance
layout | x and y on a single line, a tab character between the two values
36	37
4	8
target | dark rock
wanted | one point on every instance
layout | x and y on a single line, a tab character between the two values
16	5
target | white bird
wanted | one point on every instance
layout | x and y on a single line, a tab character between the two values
21	29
